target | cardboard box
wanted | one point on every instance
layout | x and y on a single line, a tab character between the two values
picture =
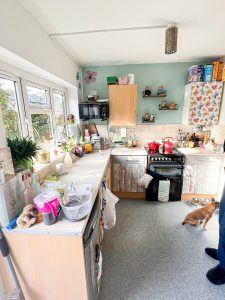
223	75
220	71
200	73
215	70
208	70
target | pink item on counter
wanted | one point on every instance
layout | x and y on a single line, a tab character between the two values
47	202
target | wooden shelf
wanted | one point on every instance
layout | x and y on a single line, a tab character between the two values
168	108
154	96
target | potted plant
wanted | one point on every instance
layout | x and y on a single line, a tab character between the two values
22	150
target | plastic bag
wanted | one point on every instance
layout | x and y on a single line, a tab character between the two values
109	210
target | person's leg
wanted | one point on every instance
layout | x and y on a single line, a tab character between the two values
217	275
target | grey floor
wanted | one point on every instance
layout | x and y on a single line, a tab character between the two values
150	255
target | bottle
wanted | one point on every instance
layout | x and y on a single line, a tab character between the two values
67	160
28	193
2	174
35	184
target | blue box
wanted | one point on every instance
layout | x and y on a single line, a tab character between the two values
208	71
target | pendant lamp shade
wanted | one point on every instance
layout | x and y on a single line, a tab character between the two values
171	39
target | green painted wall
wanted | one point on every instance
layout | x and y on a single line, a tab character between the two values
172	75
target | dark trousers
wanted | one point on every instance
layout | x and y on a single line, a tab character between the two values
221	247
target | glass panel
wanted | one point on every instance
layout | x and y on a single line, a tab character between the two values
9	105
58	103
42	128
37	95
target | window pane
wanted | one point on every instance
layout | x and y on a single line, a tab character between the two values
37	95
9	105
42	128
58	103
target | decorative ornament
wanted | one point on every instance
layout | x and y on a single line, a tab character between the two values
90	77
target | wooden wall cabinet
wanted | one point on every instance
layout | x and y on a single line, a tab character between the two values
122	105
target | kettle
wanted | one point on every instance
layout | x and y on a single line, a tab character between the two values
167	144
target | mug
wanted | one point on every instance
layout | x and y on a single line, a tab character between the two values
60	169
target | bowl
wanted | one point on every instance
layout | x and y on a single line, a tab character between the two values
77	210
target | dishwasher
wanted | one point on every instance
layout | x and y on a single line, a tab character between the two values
92	251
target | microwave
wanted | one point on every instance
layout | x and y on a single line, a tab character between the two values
94	111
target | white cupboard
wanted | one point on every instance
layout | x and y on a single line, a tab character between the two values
202	103
222	110
202	174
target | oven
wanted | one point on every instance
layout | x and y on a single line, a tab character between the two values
172	171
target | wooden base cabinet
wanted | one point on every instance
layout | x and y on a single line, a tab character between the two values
49	267
126	172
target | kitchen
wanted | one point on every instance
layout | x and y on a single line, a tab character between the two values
135	133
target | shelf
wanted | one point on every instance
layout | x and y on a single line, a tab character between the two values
154	96
168	108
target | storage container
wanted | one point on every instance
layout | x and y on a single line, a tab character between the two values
112	80
123	80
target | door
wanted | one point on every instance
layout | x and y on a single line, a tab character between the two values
122	105
126	172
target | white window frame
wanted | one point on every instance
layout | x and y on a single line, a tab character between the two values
20	102
26	109
56	91
42	87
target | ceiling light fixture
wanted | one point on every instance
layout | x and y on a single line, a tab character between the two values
171	39
170	34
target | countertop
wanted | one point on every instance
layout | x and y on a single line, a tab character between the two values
199	151
139	151
90	169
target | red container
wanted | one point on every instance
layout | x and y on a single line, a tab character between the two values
167	145
153	146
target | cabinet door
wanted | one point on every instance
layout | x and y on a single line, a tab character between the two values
222	110
126	172
122	105
201	179
205	102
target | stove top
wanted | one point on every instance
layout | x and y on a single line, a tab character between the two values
165	156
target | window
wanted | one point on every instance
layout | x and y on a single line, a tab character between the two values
32	109
9	105
59	114
37	95
42	128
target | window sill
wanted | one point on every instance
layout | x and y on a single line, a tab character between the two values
44	169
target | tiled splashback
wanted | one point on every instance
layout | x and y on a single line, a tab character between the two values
146	133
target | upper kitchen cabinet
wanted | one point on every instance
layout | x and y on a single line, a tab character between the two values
122	105
222	110
202	102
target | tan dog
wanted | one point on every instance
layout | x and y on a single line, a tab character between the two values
201	215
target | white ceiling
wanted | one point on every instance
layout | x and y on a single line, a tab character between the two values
201	28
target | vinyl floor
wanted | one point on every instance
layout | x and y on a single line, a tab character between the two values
150	255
